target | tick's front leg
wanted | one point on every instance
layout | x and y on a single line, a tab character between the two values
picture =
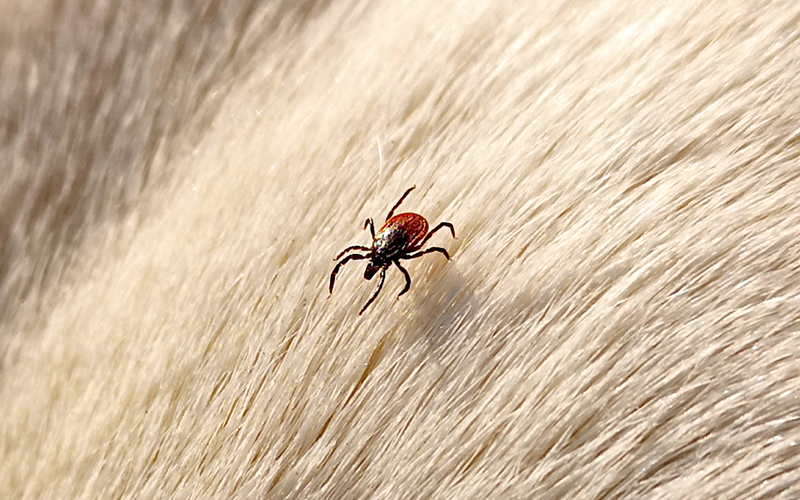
374	295
344	261
405	273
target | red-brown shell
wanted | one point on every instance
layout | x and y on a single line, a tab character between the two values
403	232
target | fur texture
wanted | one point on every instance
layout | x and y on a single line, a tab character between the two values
620	318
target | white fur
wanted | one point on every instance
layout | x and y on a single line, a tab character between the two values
619	319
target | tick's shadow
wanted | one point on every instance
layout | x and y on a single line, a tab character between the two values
451	313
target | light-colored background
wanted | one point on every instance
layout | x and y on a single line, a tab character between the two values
620	318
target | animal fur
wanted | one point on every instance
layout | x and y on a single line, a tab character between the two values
621	317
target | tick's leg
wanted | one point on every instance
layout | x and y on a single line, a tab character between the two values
354	247
355	256
405	273
380	285
391	212
429	250
438	227
371	227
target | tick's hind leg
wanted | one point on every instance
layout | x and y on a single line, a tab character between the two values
405	273
371	225
438	227
391	212
374	295
429	250
355	256
354	247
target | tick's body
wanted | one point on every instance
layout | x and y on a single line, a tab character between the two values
401	234
399	238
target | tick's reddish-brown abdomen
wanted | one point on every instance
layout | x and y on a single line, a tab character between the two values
401	233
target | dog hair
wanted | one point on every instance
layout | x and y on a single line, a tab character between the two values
620	317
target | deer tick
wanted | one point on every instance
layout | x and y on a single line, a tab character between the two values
401	238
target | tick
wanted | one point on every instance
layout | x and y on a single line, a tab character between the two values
401	238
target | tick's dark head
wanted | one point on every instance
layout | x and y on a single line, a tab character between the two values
370	271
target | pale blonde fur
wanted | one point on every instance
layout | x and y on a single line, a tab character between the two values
620	318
